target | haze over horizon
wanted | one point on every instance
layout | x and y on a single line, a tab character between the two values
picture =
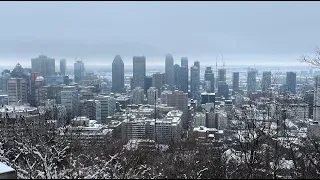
244	32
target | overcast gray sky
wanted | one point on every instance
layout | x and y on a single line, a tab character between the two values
97	31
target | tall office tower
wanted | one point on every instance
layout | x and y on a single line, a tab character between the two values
209	76
137	96
222	75
139	71
235	81
148	84
17	91
266	80
169	71
184	75
63	67
79	71
44	65
152	95
70	99
208	98
176	69
158	80
291	82
195	82
117	75
251	81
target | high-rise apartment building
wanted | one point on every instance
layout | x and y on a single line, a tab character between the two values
63	67
291	82
139	71
137	96
169	72
43	65
152	95
117	75
17	91
79	71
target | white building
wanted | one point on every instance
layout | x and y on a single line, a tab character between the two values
152	95
137	96
199	119
70	99
17	91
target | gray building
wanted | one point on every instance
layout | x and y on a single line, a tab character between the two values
195	82
158	81
117	75
63	67
176	76
139	72
209	76
266	80
44	65
184	75
251	81
222	75
169	72
291	82
235	81
79	71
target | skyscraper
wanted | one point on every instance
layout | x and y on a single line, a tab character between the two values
63	67
251	81
79	71
209	76
235	81
139	71
176	69
266	80
148	83
291	82
222	75
117	75
158	81
17	91
169	71
43	65
195	82
184	75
